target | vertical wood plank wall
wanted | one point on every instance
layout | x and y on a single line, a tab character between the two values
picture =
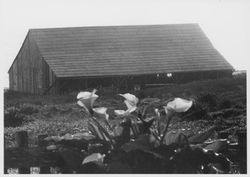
29	72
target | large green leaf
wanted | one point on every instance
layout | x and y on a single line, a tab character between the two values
103	131
95	131
175	137
93	157
201	137
217	146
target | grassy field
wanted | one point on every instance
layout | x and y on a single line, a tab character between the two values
59	114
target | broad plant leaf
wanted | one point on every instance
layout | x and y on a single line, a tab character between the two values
217	146
135	128
175	137
104	132
189	160
86	136
93	157
122	133
201	137
67	136
94	129
51	147
219	160
213	169
117	131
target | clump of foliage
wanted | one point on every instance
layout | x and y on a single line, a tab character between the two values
130	140
28	109
13	117
208	101
142	142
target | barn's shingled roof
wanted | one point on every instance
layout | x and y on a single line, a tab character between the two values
127	50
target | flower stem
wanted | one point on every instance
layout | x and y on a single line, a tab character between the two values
169	117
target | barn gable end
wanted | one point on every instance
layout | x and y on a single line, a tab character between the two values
29	71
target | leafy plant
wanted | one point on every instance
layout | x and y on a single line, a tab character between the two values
144	138
139	138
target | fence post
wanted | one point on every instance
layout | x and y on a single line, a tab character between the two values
21	139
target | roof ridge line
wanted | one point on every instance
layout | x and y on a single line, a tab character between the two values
171	24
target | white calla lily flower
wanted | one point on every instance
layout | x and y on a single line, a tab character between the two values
178	105
131	109
131	99
119	112
87	99
125	113
128	104
101	113
131	102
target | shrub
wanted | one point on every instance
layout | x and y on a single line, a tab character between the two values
208	100
28	109
13	117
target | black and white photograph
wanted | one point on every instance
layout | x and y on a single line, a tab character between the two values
124	86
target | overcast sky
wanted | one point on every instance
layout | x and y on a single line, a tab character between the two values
225	22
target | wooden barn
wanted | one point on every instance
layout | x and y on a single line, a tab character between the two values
61	59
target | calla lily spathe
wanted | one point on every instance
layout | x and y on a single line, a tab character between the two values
101	113
119	112
178	105
131	102
87	99
124	113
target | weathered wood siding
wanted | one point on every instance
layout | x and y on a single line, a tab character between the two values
65	85
29	72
